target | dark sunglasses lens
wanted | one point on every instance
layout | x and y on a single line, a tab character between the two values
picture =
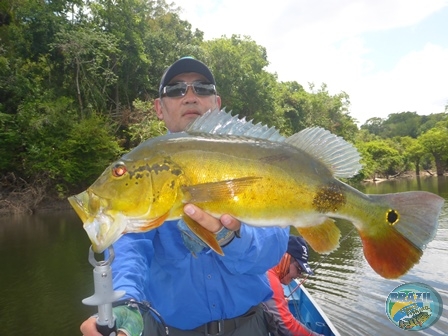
203	89
180	89
176	90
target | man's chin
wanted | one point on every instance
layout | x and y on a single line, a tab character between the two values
188	118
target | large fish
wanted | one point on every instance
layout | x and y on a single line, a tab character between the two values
228	165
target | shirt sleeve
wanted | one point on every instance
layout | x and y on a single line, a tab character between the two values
256	250
130	267
278	306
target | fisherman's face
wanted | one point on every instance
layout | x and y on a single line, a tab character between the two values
294	272
179	112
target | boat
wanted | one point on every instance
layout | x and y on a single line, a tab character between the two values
307	311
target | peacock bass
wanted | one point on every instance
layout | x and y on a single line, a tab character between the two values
224	164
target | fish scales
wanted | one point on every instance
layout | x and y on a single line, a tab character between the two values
281	184
262	179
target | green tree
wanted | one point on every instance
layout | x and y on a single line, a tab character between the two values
430	121
365	136
150	36
401	124
379	158
435	141
316	108
373	125
88	148
246	88
414	152
145	123
90	58
10	144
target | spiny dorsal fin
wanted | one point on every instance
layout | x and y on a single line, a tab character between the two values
220	122
340	156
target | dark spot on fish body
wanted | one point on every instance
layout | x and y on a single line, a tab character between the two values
329	198
176	172
392	217
145	170
139	175
157	168
274	158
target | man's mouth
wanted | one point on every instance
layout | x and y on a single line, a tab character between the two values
191	113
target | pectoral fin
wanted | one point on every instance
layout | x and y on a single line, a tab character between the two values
217	191
206	236
139	225
323	238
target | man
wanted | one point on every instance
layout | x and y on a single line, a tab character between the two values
204	293
292	265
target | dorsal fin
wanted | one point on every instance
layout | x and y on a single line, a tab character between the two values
340	156
220	122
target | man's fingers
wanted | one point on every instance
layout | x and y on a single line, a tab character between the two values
209	222
230	222
88	327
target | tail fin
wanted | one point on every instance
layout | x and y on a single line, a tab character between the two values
412	220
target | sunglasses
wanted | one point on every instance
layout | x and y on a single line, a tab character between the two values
300	274
180	89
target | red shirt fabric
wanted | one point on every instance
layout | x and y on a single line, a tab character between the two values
278	306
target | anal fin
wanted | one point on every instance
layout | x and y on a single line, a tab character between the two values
323	238
206	236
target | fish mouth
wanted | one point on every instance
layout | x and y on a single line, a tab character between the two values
103	229
79	204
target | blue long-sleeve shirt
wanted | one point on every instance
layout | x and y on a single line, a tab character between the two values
189	291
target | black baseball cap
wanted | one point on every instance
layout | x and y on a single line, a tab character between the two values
184	65
298	249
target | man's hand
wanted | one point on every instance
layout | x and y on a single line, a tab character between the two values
209	222
88	328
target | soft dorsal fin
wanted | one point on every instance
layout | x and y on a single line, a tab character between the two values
220	122
341	157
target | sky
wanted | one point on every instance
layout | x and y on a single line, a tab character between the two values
389	56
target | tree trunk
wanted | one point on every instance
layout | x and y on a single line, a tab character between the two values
440	165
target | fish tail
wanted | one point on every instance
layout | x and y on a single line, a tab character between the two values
401	226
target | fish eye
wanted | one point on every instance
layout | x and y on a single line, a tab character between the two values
119	169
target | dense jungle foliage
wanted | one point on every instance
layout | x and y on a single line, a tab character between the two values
77	81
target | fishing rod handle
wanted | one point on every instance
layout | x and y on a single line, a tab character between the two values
106	330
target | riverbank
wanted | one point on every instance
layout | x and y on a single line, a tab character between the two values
18	203
404	175
18	196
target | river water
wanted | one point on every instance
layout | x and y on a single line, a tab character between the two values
44	274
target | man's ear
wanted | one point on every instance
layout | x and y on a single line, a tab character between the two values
158	107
